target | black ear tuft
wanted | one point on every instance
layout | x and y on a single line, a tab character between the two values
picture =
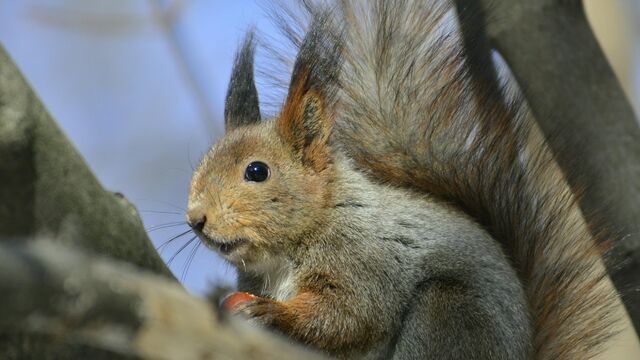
307	116
317	66
241	105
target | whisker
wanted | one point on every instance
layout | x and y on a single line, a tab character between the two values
172	239
213	200
162	212
219	202
267	284
165	225
187	265
168	204
193	168
181	249
226	268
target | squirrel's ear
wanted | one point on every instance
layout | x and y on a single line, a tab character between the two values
307	116
241	105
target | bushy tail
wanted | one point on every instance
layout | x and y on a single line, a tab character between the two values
411	115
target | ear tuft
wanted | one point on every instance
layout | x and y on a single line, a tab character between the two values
307	116
241	105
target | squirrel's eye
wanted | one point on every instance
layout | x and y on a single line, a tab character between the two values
257	172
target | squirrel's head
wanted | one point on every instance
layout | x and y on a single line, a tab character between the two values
267	183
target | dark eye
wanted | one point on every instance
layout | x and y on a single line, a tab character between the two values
257	172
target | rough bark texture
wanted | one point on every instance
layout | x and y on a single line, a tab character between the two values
580	107
112	306
46	189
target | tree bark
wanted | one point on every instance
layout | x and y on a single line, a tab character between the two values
47	190
112	306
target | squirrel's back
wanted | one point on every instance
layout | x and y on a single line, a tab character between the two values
411	115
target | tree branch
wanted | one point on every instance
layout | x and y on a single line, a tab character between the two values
47	190
112	306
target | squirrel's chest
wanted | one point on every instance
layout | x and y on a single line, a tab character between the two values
278	282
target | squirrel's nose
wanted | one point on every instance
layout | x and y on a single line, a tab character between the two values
197	222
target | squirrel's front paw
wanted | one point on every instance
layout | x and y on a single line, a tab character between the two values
261	311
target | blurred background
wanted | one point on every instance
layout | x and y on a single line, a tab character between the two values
139	85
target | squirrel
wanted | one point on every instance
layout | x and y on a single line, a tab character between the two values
396	208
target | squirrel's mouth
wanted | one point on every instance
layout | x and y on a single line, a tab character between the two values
223	246
227	248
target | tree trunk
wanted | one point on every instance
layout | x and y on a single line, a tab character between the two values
581	109
47	190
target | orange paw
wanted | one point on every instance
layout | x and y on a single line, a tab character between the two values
233	300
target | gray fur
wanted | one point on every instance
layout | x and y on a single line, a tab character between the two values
436	286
